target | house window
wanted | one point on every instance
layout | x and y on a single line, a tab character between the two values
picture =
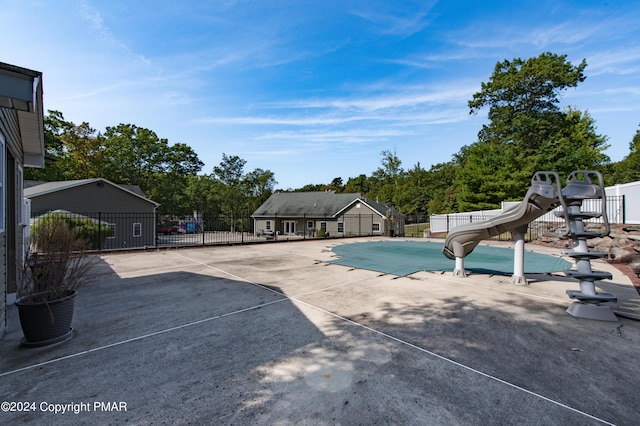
268	225
357	205
310	224
20	196
341	227
375	227
137	229
2	184
323	225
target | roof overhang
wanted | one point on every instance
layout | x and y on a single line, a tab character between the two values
21	90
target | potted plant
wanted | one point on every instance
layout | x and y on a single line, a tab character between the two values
55	266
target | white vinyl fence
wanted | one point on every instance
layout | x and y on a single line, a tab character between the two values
615	213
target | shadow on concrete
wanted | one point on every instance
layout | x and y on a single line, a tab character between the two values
175	347
192	348
588	365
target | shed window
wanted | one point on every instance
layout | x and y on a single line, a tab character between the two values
341	227
137	229
268	225
375	227
112	230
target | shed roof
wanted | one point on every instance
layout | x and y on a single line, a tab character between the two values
50	187
315	204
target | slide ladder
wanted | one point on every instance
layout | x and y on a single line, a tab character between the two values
584	185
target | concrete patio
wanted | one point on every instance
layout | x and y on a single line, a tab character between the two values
272	334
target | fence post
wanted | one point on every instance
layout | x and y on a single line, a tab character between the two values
99	231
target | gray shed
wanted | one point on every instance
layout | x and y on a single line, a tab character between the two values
130	215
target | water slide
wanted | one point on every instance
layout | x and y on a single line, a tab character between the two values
544	195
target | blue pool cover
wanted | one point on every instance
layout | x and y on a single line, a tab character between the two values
407	257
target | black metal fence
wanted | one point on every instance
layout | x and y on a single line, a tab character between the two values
117	231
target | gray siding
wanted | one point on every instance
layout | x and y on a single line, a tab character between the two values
363	219
3	283
9	129
91	198
106	202
8	248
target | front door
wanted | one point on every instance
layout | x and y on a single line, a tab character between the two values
289	227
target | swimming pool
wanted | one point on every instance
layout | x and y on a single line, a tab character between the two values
408	257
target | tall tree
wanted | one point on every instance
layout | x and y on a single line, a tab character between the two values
415	192
359	184
239	193
526	132
231	192
260	184
627	170
71	151
200	194
388	179
441	187
133	155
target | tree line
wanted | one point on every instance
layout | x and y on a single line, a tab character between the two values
526	131
168	174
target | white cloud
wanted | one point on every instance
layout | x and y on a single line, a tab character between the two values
403	21
619	61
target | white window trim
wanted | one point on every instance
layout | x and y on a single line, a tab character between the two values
20	195
112	226
137	225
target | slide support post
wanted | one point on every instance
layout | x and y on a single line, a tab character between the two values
518	277
459	270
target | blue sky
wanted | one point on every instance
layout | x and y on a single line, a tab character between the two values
314	90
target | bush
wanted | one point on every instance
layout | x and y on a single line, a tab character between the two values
86	230
58	263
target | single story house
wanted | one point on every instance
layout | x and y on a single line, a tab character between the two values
21	145
328	213
130	216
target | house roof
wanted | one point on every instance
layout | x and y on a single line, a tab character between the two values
43	188
21	90
314	204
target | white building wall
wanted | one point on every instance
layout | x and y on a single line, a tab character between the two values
631	192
